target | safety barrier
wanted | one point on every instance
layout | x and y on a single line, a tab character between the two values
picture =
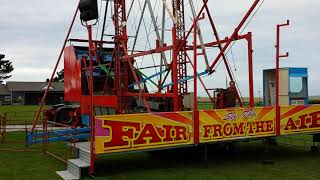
22	117
13	129
59	140
72	134
3	125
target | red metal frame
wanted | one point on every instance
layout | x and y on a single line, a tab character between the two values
215	32
123	65
174	73
178	11
247	37
91	111
54	70
119	36
250	67
178	45
234	34
121	40
195	77
278	56
94	41
202	83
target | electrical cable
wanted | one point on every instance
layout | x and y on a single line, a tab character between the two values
97	29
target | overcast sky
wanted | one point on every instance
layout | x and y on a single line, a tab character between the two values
32	33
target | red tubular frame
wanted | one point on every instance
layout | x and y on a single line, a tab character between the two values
121	40
156	50
195	72
55	70
92	123
278	56
217	37
195	78
248	38
117	19
215	32
178	46
202	83
94	41
250	67
234	35
180	54
174	71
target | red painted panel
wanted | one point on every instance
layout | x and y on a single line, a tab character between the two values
72	75
102	101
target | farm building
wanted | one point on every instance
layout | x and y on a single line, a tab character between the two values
30	93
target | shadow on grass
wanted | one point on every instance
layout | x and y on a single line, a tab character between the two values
282	161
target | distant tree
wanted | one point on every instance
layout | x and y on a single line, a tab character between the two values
60	76
5	68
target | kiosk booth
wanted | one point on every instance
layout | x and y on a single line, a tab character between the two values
293	86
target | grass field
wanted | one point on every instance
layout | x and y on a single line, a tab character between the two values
26	165
19	114
246	163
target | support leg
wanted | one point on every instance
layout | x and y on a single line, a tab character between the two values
205	155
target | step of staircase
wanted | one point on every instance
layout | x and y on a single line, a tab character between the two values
76	166
79	163
85	146
66	175
84	156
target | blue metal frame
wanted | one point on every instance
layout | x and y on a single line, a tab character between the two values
185	79
148	78
59	135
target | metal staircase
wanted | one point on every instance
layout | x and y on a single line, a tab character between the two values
79	167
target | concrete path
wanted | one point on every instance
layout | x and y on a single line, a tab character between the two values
22	128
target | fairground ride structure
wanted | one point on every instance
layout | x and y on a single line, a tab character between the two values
112	83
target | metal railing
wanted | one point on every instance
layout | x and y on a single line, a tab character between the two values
61	153
54	134
3	125
48	137
22	117
13	130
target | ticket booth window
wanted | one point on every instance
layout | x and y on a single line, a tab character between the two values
296	85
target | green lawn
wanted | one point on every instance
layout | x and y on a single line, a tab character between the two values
17	108
208	105
27	165
20	114
246	163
